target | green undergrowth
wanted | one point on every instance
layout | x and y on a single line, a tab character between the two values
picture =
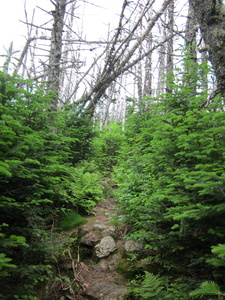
171	176
169	170
41	179
70	220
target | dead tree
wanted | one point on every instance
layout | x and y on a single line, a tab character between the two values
67	56
210	15
122	52
54	70
148	67
161	64
121	57
170	46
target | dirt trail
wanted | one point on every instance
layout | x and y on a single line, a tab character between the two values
96	276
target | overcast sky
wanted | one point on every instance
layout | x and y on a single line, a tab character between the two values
11	11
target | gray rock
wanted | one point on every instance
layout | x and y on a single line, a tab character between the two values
99	227
109	231
113	262
90	238
108	264
134	246
102	266
106	246
106	291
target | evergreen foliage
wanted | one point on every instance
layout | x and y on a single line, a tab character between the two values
38	183
208	288
169	166
106	147
171	181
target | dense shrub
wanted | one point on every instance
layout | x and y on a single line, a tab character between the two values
38	183
172	183
106	147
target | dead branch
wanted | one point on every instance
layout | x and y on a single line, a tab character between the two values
24	52
110	73
36	26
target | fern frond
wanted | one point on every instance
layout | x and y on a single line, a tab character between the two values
150	287
206	288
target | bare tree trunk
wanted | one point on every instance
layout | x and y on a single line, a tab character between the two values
169	54
148	69
139	79
210	15
139	71
190	34
65	79
161	67
8	56
191	44
104	113
54	70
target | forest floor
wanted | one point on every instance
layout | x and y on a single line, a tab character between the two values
98	278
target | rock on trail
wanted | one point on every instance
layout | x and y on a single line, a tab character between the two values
104	243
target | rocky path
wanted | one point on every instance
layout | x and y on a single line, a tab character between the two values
97	266
101	247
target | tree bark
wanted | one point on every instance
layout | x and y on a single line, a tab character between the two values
54	70
210	15
161	84
148	68
191	44
170	46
